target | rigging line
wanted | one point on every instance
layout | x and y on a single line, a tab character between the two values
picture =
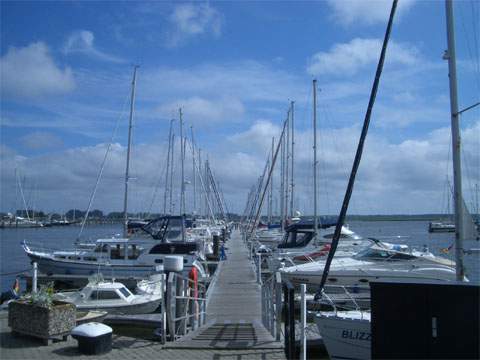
472	58
99	176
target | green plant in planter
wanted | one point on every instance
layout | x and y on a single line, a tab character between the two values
43	297
38	314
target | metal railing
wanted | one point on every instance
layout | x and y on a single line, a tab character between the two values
272	305
185	305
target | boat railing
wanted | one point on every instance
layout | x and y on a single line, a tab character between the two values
331	295
185	305
37	246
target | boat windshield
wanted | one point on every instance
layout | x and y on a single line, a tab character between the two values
296	239
377	254
174	231
125	292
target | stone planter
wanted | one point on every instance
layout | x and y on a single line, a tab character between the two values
42	322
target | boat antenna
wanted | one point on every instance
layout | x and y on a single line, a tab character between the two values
358	155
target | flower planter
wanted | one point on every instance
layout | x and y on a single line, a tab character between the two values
42	322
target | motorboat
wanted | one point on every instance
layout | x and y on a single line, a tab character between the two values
124	257
300	245
380	261
440	226
113	297
346	334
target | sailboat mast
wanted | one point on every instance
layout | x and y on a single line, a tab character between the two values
168	167
194	173
172	169
315	217
270	204
182	157
282	181
287	161
292	184
125	200
457	168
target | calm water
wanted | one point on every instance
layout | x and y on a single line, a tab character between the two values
13	259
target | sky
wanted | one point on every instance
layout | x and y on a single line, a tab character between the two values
233	67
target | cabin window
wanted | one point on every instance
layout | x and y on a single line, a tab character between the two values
332	279
158	261
401	256
104	295
89	258
363	280
117	252
125	292
330	236
102	248
74	257
61	257
133	252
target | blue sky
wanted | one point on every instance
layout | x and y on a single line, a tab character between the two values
233	67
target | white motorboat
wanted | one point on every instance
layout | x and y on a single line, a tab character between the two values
380	261
124	257
299	244
113	297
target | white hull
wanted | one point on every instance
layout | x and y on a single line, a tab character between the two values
346	335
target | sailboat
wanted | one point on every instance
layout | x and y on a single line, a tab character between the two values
124	257
347	334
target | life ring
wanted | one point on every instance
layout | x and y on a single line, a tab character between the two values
193	276
193	284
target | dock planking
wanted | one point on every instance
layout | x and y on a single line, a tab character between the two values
234	309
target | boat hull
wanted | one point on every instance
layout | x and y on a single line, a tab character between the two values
345	338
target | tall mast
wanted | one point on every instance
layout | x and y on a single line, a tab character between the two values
358	154
282	179
172	169
270	204
292	184
315	218
457	168
287	161
168	167
182	157
125	201
194	173
200	175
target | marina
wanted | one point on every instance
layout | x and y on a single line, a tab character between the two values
178	185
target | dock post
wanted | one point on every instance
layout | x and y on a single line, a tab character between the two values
271	306
303	321
278	305
34	277
259	268
164	310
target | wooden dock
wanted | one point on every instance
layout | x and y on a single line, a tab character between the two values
234	309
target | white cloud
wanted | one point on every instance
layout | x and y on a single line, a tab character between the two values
82	41
191	20
30	72
41	140
348	58
197	109
393	178
349	12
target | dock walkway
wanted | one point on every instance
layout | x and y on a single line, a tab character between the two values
235	330
234	310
